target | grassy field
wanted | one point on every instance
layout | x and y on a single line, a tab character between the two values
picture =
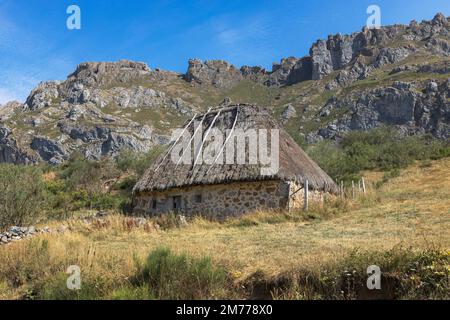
410	213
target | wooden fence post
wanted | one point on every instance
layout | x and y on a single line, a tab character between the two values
353	188
363	185
342	189
306	194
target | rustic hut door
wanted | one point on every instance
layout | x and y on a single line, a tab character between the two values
177	203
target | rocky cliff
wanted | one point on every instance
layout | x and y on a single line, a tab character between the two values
414	107
99	110
397	75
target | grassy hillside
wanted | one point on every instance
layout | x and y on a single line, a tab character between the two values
402	225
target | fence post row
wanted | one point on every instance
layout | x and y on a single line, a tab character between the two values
361	188
306	194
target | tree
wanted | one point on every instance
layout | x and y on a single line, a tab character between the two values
21	194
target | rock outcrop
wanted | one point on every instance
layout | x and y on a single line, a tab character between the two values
356	55
49	150
222	75
101	74
290	71
256	74
10	152
43	95
289	112
103	108
412	107
71	115
218	73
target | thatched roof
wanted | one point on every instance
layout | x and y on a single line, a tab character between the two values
294	164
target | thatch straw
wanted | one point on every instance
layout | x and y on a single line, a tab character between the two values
294	164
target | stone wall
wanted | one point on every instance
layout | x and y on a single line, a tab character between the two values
17	233
297	196
221	200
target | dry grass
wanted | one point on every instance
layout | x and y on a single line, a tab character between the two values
412	210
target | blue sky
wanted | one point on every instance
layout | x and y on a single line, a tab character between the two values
35	44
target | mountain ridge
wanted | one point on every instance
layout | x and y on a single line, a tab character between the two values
396	75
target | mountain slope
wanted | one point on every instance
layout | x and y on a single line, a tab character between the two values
397	75
410	211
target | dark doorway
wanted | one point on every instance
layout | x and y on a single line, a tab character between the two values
176	203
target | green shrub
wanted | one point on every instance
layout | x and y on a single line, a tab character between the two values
86	184
382	148
129	161
102	201
82	174
56	289
22	198
172	276
405	274
126	184
333	159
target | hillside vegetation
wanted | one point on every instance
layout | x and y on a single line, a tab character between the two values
402	226
48	192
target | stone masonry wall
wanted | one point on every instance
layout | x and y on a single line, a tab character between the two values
297	196
222	200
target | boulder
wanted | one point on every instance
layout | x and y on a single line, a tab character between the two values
288	112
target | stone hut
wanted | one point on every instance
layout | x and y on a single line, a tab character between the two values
229	161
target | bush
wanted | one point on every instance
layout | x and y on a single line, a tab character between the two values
126	184
86	184
21	194
171	276
382	148
56	289
331	158
406	274
83	174
105	201
129	161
